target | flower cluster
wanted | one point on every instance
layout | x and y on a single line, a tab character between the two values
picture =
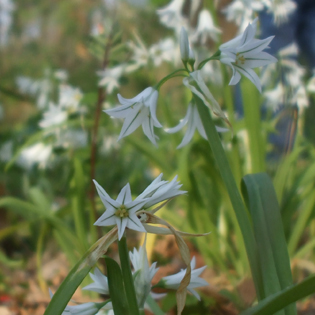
143	275
242	54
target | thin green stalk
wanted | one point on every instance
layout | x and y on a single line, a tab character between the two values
127	275
234	194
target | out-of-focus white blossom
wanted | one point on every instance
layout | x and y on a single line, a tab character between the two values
6	151
242	12
61	75
6	9
110	77
205	28
32	30
164	50
38	153
171	15
69	97
281	9
55	115
72	138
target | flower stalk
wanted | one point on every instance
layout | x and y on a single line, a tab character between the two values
241	213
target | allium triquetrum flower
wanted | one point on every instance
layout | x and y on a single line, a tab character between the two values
140	110
123	211
173	281
120	212
192	119
100	284
244	53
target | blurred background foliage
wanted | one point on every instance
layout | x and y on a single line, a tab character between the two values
49	202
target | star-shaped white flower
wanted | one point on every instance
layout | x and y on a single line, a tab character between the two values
100	284
173	281
120	212
160	190
140	110
244	53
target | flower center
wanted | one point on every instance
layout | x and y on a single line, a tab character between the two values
240	59
122	212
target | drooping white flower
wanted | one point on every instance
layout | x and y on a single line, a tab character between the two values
120	212
206	28
173	281
100	284
140	110
281	9
171	15
242	12
244	53
193	120
160	190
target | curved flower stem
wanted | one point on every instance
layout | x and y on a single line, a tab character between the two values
170	76
127	276
241	213
213	57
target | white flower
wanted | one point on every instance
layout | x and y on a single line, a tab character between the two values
244	53
110	78
144	274
100	284
37	153
171	15
242	11
204	94
69	97
140	110
160	190
206	28
164	50
281	9
193	119
173	281
120	212
55	115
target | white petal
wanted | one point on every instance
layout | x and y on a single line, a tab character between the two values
148	129
106	219
121	224
135	224
182	123
235	78
124	195
107	201
133	122
251	75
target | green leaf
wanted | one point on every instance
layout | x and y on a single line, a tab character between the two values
279	300
64	293
261	199
233	191
127	274
116	288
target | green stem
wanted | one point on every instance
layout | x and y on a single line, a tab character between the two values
216	56
235	197
127	276
170	76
